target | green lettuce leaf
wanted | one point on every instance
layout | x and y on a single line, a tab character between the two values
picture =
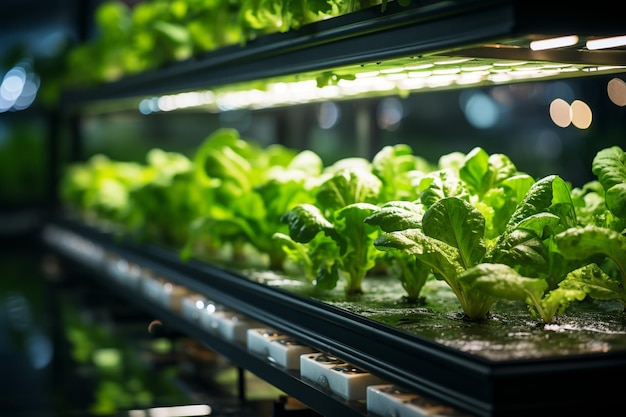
457	223
609	166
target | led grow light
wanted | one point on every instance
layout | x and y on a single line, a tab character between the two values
606	43
553	43
399	76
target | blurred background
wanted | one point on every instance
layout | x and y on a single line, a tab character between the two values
68	348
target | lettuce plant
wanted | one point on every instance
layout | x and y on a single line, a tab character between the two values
603	242
449	239
342	203
314	259
256	216
222	173
99	188
584	258
578	246
586	243
395	167
161	209
251	189
451	235
398	167
609	165
407	268
353	253
463	185
487	230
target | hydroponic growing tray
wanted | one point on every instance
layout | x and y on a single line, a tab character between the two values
511	365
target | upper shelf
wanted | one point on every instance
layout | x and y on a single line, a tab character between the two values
486	41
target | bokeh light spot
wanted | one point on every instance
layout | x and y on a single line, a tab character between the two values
560	112
581	114
616	88
481	111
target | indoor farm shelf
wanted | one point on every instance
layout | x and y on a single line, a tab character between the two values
453	43
466	381
437	354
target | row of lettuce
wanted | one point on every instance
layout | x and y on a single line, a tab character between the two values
155	33
473	221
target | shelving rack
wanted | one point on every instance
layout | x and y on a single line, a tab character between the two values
482	29
479	28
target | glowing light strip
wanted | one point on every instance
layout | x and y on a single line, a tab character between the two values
553	43
605	43
378	82
175	411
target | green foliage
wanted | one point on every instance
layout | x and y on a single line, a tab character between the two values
450	241
609	166
397	166
529	257
488	231
155	33
161	208
342	203
584	244
248	190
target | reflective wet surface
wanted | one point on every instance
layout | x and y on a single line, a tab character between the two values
590	327
69	348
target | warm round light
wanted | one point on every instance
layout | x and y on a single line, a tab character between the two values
616	88
560	112
581	114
